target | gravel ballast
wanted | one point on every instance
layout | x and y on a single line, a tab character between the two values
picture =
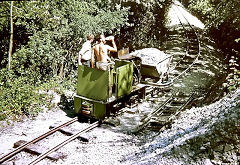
199	135
206	135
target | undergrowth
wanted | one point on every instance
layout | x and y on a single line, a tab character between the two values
21	97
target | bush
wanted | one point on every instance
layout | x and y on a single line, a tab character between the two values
56	35
17	96
222	19
53	34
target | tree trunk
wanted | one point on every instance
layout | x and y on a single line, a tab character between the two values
11	38
61	72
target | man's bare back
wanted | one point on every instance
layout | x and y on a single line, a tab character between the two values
101	49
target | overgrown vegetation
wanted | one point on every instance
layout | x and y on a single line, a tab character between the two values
147	21
222	19
20	96
47	38
16	95
48	35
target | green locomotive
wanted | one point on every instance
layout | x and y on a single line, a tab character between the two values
98	91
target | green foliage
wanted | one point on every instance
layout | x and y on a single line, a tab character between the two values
4	14
237	40
233	79
222	19
17	96
215	13
48	36
147	24
56	31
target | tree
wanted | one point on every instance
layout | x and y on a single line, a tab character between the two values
56	30
49	34
11	37
222	20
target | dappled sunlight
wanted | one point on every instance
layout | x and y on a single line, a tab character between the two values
188	129
176	13
208	72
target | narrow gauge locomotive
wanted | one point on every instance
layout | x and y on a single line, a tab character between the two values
99	93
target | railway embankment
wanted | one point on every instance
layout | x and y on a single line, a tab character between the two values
200	135
206	134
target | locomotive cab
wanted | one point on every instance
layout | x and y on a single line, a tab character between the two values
98	91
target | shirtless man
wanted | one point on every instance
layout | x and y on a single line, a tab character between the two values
101	51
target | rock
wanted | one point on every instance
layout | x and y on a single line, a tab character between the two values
207	162
216	155
203	148
112	121
238	151
234	157
219	148
216	162
228	147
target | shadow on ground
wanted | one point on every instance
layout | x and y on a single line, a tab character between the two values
66	104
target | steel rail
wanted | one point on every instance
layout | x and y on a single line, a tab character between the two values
199	53
187	40
149	116
22	147
180	109
170	82
159	112
187	48
42	156
160	109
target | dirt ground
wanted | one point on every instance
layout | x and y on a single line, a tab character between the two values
198	136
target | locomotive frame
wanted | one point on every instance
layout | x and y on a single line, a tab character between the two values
99	92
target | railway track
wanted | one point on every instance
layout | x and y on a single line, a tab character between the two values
165	101
164	113
167	110
45	135
184	62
